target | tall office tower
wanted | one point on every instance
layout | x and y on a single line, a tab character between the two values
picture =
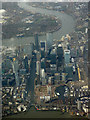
53	59
68	70
67	56
38	55
53	56
36	42
49	39
42	76
42	53
27	49
15	70
43	45
42	73
59	55
43	66
38	67
26	64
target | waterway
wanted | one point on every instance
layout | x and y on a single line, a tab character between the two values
68	24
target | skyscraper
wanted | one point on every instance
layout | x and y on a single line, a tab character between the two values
43	45
15	70
60	53
59	56
67	56
38	55
43	66
49	39
38	67
42	74
36	42
27	49
53	56
42	53
53	59
26	63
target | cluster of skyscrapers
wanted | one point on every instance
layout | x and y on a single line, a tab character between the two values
53	62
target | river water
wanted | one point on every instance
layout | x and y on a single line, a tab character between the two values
68	24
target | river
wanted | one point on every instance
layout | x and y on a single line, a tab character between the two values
68	24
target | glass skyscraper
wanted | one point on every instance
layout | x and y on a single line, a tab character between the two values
67	56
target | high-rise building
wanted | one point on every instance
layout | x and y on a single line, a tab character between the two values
15	70
49	39
42	73
26	63
27	49
42	53
43	66
69	71
53	60
38	67
36	42
59	56
38	55
42	76
43	45
60	53
53	56
67	56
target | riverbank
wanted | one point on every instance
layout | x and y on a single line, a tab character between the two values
24	24
67	26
